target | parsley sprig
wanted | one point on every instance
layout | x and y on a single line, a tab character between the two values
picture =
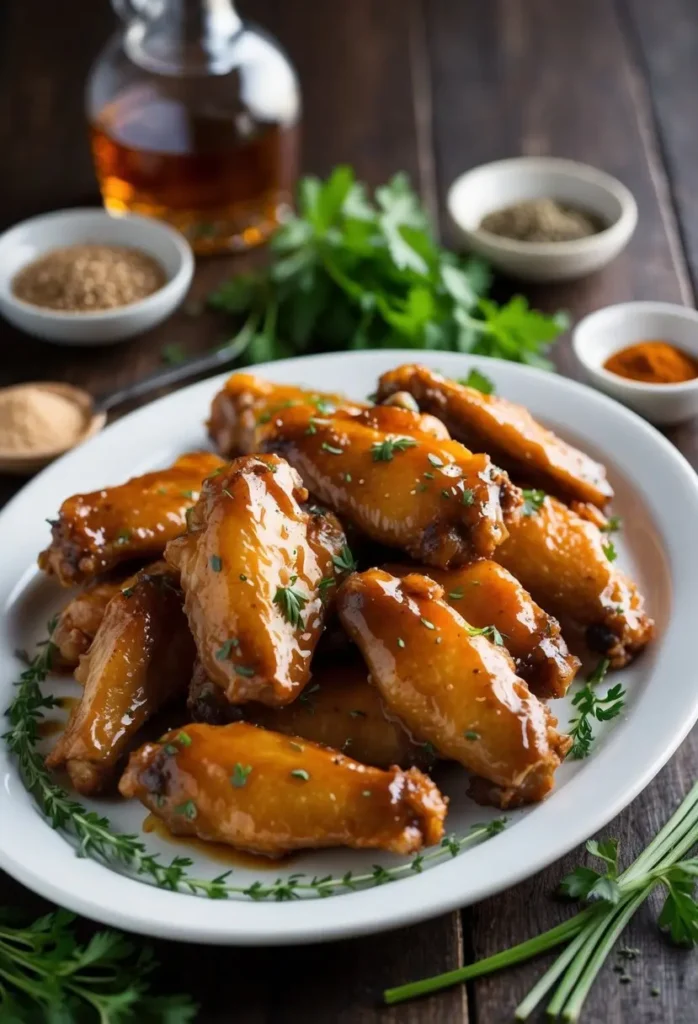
612	899
353	272
95	836
591	706
48	974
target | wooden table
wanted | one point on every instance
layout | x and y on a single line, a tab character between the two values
431	87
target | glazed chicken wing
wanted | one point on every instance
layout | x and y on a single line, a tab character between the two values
270	794
80	619
141	658
246	404
485	594
252	563
339	708
96	532
559	557
451	687
506	431
432	498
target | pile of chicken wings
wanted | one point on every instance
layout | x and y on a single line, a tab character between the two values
342	599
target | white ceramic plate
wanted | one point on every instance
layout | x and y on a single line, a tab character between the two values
657	495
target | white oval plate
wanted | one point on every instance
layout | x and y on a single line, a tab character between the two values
657	496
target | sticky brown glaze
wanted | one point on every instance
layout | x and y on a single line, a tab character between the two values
506	431
96	532
248	539
338	708
296	795
80	619
485	594
242	410
433	499
559	558
454	690
140	660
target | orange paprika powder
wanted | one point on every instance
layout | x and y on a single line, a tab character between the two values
654	362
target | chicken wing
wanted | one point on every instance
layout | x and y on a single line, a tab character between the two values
243	413
559	557
339	708
450	685
256	571
434	499
270	794
96	532
141	658
506	431
80	619
485	594
246	404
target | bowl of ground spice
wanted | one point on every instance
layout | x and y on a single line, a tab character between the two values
645	354
542	218
83	277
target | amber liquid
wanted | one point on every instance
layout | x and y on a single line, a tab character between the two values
222	179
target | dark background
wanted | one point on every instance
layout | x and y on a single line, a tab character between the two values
431	87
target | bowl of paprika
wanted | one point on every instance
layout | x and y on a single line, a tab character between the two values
644	354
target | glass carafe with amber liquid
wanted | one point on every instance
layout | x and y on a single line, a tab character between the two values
194	119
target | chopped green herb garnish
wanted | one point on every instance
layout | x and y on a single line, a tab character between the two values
187	809
533	500
427	623
331	449
123	536
183	739
300	773
240	774
428	475
291	602
226	647
491	632
244	670
311	428
435	460
243	577
470	734
129	591
366	792
400	642
613	525
383	451
216	563
479	381
226	491
296	746
344	561
171	749
347	478
445	493
456	595
468	496
609	551
325	584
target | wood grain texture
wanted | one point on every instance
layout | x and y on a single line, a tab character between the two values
431	87
566	80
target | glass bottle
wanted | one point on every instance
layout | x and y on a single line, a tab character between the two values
194	119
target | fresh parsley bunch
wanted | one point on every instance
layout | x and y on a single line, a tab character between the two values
350	272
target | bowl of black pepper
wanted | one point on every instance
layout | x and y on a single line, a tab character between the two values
83	277
543	218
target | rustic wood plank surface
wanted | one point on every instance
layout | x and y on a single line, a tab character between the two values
430	87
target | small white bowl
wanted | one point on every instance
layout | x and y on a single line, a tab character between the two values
493	186
32	238
600	334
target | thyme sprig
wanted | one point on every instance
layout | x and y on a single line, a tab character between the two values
95	837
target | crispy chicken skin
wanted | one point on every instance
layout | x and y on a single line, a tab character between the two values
432	498
141	658
80	619
96	532
270	794
454	690
506	431
485	594
559	558
339	708
246	403
251	564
